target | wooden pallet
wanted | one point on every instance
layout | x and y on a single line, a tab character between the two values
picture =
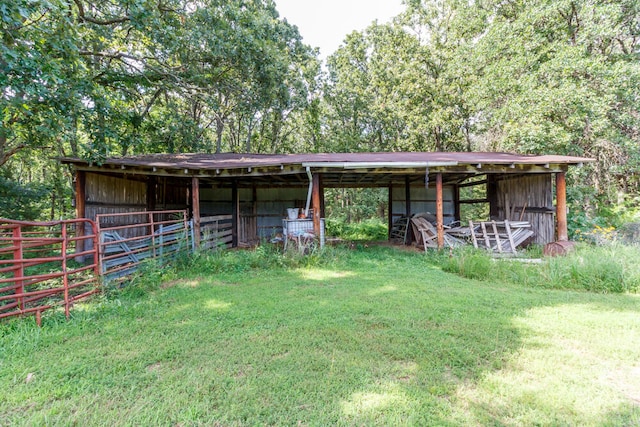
500	236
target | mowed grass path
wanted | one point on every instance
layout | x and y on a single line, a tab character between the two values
382	337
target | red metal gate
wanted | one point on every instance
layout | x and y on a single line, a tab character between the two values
46	264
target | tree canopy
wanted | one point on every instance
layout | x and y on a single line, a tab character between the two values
95	79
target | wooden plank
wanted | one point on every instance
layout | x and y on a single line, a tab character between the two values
195	208
456	202
439	215
235	213
494	227
485	235
509	236
407	208
206	219
390	212
492	196
151	193
81	180
472	229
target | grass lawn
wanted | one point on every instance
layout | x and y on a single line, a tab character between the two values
377	337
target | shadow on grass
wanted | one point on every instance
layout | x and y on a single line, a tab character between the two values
381	338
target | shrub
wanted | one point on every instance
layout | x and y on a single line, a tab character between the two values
370	229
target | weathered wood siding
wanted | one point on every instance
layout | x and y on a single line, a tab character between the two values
108	195
529	198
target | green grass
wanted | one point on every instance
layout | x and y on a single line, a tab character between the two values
373	336
612	268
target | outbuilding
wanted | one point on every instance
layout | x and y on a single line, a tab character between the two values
255	190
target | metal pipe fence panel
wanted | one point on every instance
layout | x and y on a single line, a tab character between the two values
127	240
45	265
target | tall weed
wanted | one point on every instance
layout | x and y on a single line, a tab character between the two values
608	269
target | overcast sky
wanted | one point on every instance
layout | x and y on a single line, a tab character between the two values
325	23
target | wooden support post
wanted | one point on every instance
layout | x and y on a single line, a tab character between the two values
390	210
254	213
456	202
235	214
561	207
439	211
407	210
315	203
151	193
492	196
195	206
322	214
81	184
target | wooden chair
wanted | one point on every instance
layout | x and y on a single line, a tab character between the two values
426	234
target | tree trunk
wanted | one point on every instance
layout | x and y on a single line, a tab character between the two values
219	130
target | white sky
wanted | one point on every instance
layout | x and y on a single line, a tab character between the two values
325	23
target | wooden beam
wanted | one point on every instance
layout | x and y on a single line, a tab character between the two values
407	209
151	192
492	196
439	211
472	201
195	209
472	183
456	202
235	214
322	214
315	203
390	210
81	184
561	207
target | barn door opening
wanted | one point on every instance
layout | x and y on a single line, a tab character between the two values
357	213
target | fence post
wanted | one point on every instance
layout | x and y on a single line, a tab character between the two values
191	232
18	272
153	235
65	276
161	244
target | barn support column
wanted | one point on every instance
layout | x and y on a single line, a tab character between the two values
235	214
315	203
439	211
195	209
390	211
407	210
561	207
456	203
81	183
151	193
492	196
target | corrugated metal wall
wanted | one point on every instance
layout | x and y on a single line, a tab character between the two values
423	200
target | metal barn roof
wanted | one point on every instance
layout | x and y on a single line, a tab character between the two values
348	169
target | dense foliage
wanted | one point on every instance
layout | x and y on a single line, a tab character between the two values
134	76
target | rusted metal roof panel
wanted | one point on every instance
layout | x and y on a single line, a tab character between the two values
197	161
